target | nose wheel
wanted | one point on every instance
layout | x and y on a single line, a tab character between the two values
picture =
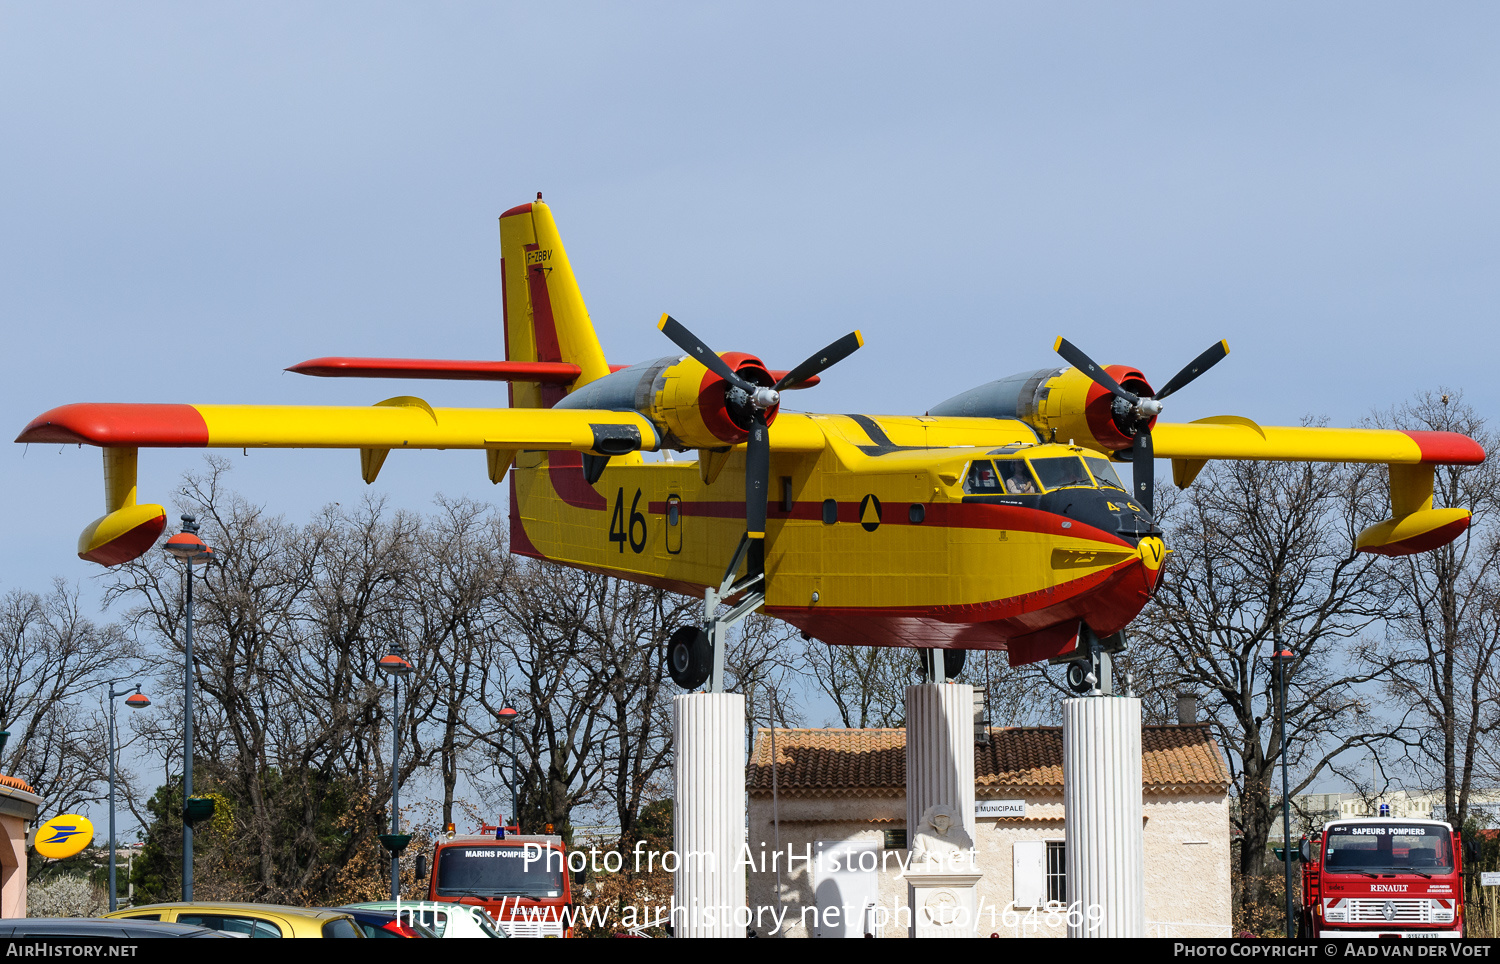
1090	666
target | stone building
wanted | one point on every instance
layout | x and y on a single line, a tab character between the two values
842	794
18	810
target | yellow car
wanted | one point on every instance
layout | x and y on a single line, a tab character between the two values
249	920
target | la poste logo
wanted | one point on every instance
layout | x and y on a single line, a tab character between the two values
63	836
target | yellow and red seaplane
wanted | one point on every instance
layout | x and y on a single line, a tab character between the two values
995	520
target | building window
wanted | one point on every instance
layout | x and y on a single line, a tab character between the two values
1057	872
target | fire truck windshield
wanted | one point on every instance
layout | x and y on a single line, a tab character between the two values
1388	849
498	872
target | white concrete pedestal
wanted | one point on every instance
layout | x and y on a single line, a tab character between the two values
943	904
942	895
708	817
1106	862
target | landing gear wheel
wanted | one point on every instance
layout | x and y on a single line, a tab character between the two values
953	662
1078	681
690	657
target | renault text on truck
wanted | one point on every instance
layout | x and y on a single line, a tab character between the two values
1382	877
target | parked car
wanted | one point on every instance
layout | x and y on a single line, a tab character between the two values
443	918
385	923
249	920
91	928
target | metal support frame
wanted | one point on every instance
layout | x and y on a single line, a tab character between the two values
753	588
1097	654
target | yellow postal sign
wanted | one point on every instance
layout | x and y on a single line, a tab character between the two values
64	835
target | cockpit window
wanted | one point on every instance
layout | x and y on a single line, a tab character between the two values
1104	472
982	479
1056	473
1016	477
1005	476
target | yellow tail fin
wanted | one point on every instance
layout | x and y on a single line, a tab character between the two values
545	317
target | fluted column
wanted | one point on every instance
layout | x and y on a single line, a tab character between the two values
940	752
1102	816
940	772
708	818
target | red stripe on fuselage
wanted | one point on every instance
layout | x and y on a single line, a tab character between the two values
520	542
940	515
121	425
565	472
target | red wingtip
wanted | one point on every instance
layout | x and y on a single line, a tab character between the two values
120	425
1448	448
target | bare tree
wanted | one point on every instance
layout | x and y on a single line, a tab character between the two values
287	626
56	662
1441	661
458	569
866	683
1263	561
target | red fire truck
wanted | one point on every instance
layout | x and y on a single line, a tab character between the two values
1382	877
521	880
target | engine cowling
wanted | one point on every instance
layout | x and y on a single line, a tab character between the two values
690	406
1060	403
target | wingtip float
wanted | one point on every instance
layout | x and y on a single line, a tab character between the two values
995	521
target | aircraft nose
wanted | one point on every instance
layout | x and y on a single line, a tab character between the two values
1153	555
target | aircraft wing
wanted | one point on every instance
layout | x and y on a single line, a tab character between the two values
404	422
1411	459
1231	437
128	529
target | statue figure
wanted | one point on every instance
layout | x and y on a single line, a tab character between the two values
941	839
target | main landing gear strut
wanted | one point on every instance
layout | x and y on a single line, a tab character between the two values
695	654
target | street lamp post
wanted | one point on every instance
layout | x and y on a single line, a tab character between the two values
136	701
191	550
1282	662
507	717
395	665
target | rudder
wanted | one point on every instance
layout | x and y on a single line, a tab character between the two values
545	317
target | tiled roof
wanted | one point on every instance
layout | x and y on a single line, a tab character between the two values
18	784
1175	759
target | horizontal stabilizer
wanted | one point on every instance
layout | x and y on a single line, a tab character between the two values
553	373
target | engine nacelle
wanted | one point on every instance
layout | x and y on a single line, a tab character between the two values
690	406
1060	403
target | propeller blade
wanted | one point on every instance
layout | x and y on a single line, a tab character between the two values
694	346
1195	368
1143	472
1085	364
822	361
757	476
